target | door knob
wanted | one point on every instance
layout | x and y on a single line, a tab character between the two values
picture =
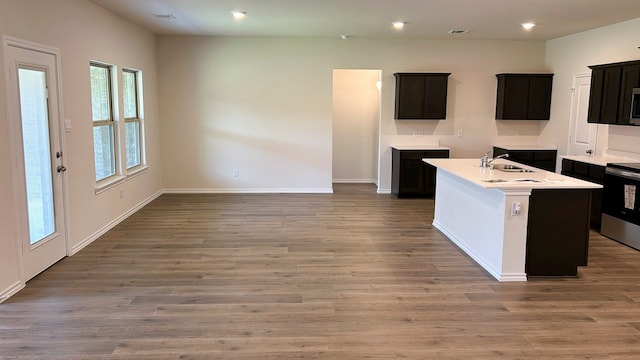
61	168
589	151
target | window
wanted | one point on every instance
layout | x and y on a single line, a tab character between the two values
132	117
104	130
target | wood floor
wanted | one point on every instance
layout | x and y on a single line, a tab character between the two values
353	275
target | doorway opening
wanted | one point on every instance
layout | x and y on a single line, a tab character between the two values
355	127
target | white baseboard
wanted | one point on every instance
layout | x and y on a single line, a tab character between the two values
11	290
384	191
112	224
251	191
354	181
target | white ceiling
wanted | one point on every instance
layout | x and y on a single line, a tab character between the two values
486	19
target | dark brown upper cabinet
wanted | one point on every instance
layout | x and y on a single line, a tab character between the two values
610	93
421	95
524	96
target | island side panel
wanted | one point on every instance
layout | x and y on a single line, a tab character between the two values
477	221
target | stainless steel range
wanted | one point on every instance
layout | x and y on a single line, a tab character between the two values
621	203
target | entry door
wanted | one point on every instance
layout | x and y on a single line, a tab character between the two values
582	135
37	160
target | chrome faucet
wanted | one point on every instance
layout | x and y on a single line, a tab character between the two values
490	161
486	162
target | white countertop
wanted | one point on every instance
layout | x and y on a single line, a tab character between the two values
419	147
470	170
597	160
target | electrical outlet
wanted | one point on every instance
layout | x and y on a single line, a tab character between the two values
236	172
121	193
516	209
460	133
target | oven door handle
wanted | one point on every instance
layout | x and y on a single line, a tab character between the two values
623	173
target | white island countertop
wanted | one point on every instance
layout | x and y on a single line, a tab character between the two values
470	170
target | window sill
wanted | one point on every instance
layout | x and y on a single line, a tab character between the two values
107	184
138	170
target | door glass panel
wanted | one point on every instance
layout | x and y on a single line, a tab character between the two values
37	158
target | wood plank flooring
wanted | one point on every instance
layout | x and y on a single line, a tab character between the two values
352	275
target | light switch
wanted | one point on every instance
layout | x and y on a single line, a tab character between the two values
67	125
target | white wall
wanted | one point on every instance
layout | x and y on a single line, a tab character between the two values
83	32
356	115
263	105
573	54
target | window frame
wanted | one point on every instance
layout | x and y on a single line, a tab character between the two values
139	119
115	178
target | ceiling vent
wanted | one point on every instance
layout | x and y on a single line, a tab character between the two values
458	32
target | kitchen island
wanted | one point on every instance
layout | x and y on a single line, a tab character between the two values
517	222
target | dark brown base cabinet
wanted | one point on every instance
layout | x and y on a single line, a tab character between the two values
542	159
558	232
412	177
588	172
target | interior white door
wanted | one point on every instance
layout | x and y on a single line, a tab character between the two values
37	167
582	135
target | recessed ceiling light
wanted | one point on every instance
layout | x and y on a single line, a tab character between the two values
346	37
528	25
398	25
237	14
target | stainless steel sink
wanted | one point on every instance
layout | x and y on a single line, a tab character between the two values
510	168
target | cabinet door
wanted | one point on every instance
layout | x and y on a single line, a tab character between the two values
421	96
411	176
630	79
567	167
512	101
521	156
588	172
610	94
410	95
595	95
435	97
539	97
545	159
